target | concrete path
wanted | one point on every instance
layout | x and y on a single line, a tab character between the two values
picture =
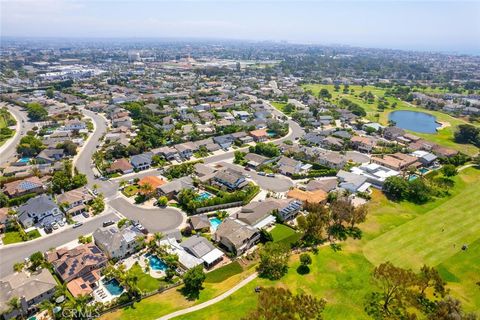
210	302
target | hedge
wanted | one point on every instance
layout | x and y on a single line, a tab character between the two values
20	200
315	174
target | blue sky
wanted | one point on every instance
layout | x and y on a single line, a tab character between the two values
418	25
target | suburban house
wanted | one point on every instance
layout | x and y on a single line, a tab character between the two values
186	260
75	124
142	161
255	161
375	173
325	184
185	150
154	181
24	186
78	267
31	288
117	243
203	249
200	222
363	144
236	235
173	188
425	158
229	179
393	132
397	161
120	165
259	135
258	214
352	182
75	200
224	141
168	153
288	166
317	196
242	115
39	210
49	155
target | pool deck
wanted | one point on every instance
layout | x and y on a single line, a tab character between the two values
140	258
101	294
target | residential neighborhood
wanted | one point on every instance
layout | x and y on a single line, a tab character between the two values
153	180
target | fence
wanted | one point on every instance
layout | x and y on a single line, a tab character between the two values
219	206
144	296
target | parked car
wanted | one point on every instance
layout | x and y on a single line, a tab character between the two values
261	173
78	224
85	214
108	223
54	226
61	223
48	229
271	175
247	169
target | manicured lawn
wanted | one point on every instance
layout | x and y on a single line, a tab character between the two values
224	272
280	106
443	137
14	236
343	277
435	236
172	300
146	283
5	117
284	234
130	191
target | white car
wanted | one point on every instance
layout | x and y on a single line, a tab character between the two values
55	226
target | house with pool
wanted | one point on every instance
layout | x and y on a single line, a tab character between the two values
203	249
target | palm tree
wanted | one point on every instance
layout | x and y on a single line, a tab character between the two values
146	189
47	305
14	304
80	304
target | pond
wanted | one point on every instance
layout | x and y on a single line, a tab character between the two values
414	121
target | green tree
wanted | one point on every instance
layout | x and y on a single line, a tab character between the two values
449	170
395	188
36	112
50	93
98	204
193	281
273	260
162	201
313	225
324	94
36	260
281	304
305	262
3	200
29	146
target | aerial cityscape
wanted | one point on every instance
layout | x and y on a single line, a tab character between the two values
214	165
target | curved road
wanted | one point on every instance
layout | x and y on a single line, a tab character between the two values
154	219
9	148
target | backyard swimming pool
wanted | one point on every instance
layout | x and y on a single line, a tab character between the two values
423	170
412	177
156	263
24	160
203	196
113	286
415	121
215	222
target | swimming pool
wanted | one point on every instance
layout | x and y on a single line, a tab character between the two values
423	170
24	160
114	287
215	222
412	177
203	196
156	263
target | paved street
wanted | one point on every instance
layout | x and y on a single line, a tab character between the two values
8	149
11	254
